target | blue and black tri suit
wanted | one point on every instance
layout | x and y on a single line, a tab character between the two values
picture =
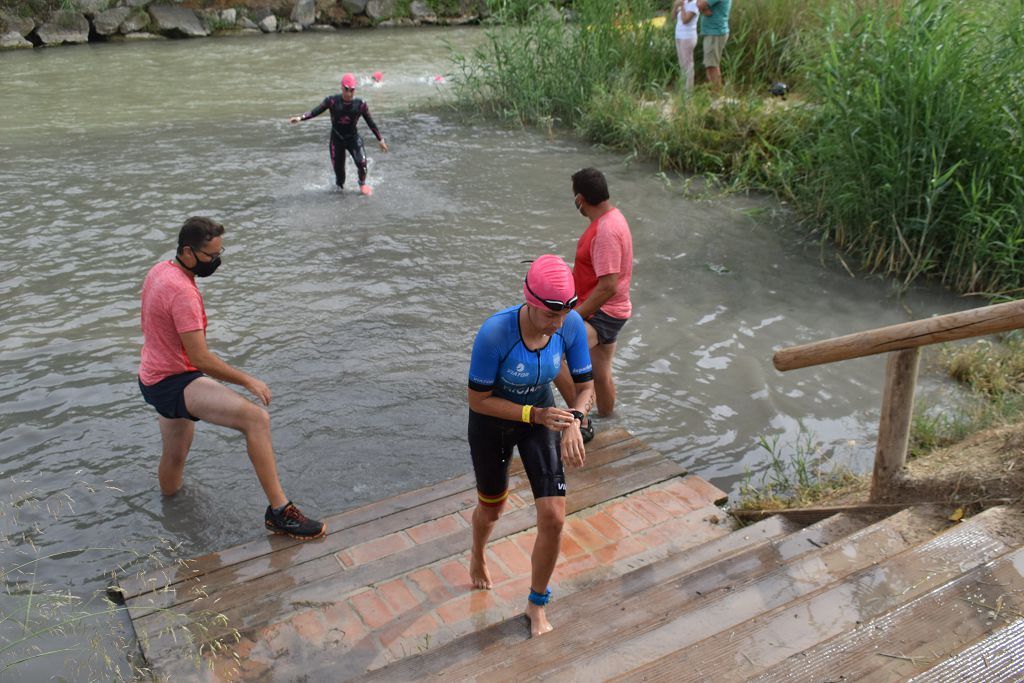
504	366
344	118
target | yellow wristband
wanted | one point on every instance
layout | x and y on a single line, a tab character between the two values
527	410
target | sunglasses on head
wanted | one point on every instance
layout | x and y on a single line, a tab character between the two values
553	304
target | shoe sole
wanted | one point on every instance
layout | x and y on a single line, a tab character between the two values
279	532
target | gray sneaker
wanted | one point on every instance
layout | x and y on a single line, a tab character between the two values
291	522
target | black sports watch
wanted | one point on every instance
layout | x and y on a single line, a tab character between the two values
579	416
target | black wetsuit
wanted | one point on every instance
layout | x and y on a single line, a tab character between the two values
344	117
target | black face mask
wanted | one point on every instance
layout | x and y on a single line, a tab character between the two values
202	268
579	206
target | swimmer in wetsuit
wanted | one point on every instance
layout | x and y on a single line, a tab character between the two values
346	109
516	355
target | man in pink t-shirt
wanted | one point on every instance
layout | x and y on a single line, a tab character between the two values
603	270
173	376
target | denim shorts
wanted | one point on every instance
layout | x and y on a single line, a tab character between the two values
168	395
606	326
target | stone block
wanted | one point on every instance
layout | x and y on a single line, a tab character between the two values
248	24
354	6
109	21
421	12
142	35
229	16
13	39
268	24
379	10
64	27
335	15
135	22
177	21
304	13
12	23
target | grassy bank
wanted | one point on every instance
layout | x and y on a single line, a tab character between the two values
974	440
902	143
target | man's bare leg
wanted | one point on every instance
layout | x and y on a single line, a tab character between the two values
604	387
484	518
176	436
714	74
550	520
213	402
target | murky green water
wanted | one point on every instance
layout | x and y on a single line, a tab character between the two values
359	313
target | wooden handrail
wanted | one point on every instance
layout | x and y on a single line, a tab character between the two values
903	343
943	328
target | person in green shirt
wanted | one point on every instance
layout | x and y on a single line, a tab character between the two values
714	32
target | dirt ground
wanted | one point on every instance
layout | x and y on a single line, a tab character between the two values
986	466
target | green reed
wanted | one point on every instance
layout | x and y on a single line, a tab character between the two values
902	140
544	71
914	159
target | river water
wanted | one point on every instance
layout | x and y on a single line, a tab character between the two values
358	312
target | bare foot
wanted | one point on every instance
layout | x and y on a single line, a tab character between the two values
478	573
539	624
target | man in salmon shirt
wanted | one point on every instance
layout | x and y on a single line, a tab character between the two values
173	376
602	272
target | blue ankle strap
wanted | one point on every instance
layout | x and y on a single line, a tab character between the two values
540	599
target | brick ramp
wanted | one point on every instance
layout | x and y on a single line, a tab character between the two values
390	580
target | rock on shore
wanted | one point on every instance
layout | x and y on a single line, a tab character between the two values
80	21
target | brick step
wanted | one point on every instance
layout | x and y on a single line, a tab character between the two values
490	652
746	649
373	602
366	523
996	659
905	640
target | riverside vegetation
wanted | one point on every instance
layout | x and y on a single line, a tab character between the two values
902	143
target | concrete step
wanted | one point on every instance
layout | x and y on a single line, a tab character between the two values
748	648
911	637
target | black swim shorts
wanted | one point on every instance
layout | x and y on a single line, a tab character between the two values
168	395
491	440
606	326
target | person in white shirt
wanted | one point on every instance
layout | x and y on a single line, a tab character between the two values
685	13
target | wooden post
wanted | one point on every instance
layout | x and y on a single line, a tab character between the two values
894	424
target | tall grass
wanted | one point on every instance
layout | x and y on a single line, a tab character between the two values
914	160
905	146
546	70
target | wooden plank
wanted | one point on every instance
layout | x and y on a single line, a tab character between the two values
359	525
602	466
253	603
813	514
932	626
272	543
699	606
775	633
963	325
996	659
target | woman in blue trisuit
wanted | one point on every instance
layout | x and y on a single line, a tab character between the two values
516	355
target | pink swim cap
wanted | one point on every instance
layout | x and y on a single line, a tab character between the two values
348	81
378	76
549	284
